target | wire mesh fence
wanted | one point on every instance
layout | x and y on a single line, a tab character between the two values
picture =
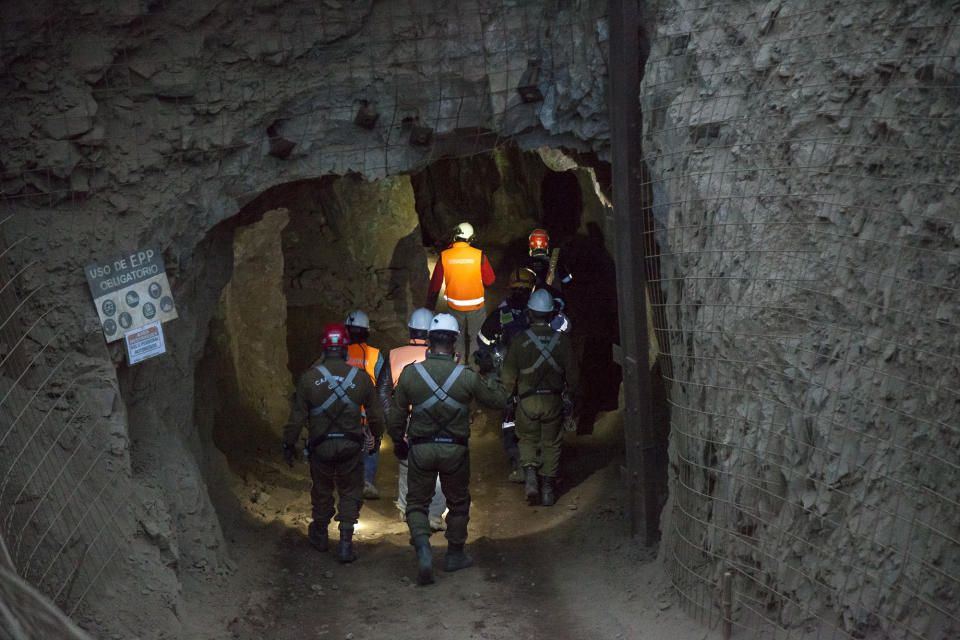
803	162
58	495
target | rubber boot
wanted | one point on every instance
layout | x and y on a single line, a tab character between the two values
456	559
318	535
424	560
346	552
530	486
547	497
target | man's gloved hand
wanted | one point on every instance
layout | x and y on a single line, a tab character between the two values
401	449
368	441
374	448
289	453
484	360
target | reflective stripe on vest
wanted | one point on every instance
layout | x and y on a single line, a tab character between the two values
546	352
339	389
405	355
440	394
462	276
365	357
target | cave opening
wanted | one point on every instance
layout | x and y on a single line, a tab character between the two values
306	253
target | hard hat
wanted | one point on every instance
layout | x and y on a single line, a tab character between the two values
335	335
522	278
357	319
420	319
541	301
463	231
444	322
539	239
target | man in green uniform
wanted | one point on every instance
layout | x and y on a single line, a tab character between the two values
436	393
542	365
328	400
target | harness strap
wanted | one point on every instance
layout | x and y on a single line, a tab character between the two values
440	394
339	393
336	435
339	389
546	352
541	392
439	440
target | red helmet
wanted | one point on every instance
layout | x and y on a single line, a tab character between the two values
335	336
539	239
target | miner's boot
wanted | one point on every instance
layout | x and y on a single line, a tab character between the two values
346	552
456	559
547	496
318	535
530	487
424	560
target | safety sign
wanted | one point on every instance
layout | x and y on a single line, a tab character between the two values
130	291
145	342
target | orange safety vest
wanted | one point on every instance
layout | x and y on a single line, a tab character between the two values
461	273
364	357
407	354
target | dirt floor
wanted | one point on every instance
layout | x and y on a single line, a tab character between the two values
567	571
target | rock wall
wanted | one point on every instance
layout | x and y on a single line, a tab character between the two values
804	185
157	123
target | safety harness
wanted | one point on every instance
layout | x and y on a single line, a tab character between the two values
440	394
339	393
546	356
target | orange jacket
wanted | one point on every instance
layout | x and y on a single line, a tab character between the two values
400	357
463	276
365	357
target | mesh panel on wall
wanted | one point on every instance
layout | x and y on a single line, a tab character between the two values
804	168
122	117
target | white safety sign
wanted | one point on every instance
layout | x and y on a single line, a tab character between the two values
145	342
130	291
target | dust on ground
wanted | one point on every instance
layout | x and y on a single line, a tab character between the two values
567	571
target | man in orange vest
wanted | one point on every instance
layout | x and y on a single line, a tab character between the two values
371	360
413	352
465	271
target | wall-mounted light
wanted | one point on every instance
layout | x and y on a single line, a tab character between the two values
366	115
528	89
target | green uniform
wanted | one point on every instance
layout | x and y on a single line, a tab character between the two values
542	364
328	400
437	394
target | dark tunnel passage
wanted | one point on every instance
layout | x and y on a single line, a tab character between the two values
307	253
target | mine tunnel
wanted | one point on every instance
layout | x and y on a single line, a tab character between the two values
305	254
757	201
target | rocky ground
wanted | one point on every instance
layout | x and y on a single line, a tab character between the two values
568	571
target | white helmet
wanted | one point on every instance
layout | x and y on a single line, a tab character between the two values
541	301
420	319
357	319
463	231
444	322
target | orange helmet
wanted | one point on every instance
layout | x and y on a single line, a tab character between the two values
335	336
539	240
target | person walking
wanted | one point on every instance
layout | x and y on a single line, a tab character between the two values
436	393
465	270
400	358
496	333
371	360
327	400
542	365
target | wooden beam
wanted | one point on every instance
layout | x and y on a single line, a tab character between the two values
626	59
